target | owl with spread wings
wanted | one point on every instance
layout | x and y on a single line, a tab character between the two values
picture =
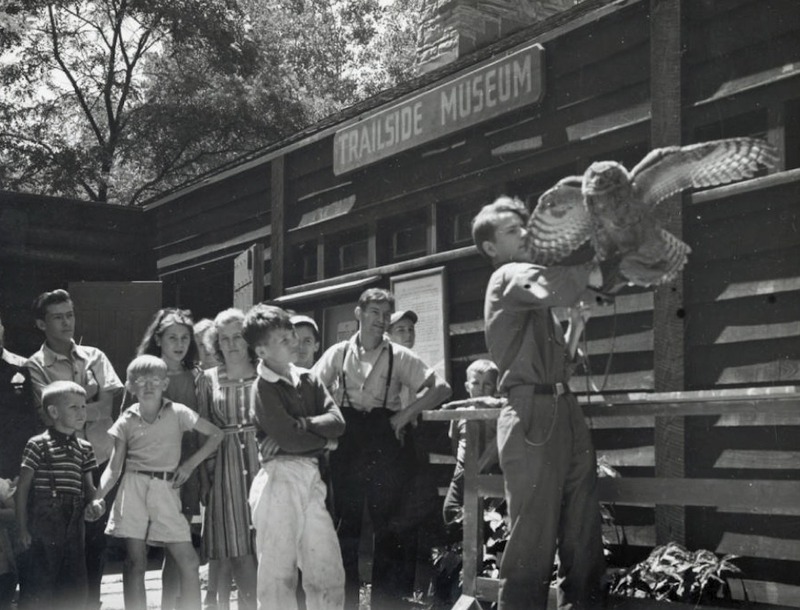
614	209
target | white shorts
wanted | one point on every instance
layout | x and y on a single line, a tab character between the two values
148	508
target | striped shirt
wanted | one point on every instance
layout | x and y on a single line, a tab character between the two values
67	459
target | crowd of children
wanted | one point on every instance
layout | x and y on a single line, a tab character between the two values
247	426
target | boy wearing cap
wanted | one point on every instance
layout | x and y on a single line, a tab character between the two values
308	342
402	328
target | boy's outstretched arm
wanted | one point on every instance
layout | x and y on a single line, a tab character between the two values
213	438
113	469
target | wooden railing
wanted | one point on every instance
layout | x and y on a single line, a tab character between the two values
740	407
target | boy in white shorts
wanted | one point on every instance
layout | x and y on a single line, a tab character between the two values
147	510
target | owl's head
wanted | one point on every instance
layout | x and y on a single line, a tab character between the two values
604	177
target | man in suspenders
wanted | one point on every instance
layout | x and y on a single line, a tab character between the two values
366	375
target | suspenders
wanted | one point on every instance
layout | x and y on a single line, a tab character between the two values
346	402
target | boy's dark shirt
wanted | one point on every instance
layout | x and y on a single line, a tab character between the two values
522	334
277	407
70	458
18	418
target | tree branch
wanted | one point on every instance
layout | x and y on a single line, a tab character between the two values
68	73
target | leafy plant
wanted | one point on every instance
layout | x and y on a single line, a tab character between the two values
673	573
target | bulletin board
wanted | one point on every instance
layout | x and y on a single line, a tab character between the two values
424	292
338	323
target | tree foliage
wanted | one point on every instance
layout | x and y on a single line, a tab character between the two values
117	100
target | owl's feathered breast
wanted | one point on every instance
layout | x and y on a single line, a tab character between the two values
611	200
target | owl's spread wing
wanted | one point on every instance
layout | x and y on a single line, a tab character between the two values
667	171
560	223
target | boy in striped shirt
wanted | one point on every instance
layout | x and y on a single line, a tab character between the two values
55	485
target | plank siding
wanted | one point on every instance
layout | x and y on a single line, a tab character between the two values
46	242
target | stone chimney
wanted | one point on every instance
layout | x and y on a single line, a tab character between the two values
453	28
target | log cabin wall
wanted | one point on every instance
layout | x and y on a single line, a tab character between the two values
198	233
47	242
737	312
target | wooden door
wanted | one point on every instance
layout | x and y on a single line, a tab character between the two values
113	316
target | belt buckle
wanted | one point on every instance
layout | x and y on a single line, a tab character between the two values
559	388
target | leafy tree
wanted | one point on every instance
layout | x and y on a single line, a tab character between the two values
116	100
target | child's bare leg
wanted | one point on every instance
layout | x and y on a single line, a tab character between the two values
188	566
133	589
245	569
170	584
224	576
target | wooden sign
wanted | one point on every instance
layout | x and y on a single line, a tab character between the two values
424	293
248	277
505	84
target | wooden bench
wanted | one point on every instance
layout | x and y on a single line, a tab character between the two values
745	407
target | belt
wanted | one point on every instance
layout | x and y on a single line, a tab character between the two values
237	428
365	412
156	474
551	389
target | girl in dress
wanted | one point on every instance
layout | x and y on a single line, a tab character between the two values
228	534
170	336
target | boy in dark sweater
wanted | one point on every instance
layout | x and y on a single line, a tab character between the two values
297	422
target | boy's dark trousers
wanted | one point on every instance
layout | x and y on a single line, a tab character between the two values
368	467
56	563
550	470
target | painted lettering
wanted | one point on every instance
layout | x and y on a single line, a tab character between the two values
491	87
522	76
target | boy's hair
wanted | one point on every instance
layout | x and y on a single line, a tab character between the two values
52	297
261	320
54	391
484	224
480	366
375	295
163	319
144	365
211	340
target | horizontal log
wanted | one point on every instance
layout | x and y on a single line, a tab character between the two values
763	547
630	535
784	182
757	459
784	596
631	456
746	496
760	592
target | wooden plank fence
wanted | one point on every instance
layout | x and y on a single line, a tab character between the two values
773	490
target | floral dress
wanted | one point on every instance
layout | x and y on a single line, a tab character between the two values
227	527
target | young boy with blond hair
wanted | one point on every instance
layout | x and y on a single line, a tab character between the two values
481	386
147	510
297	422
55	485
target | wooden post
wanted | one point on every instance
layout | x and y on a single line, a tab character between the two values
278	222
473	511
666	125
